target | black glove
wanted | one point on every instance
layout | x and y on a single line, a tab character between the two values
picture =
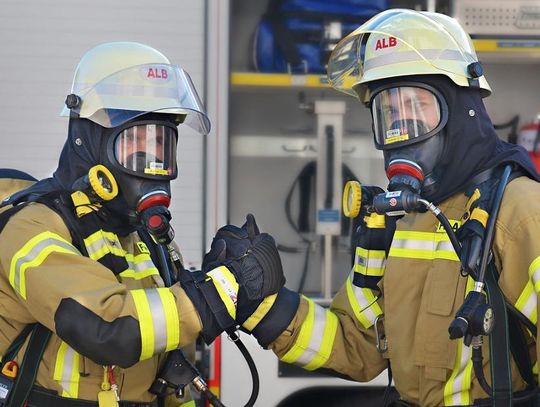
251	256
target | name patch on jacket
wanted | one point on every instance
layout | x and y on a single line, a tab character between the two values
456	224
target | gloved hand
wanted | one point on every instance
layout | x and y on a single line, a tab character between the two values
264	307
242	268
251	256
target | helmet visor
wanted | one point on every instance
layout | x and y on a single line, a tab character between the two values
404	115
147	150
142	89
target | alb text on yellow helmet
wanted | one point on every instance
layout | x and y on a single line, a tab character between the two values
400	42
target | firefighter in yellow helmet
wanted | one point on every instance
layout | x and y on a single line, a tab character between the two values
90	300
415	301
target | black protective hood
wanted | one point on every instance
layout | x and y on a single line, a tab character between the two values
81	152
471	143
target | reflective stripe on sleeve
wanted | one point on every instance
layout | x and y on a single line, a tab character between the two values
227	288
534	273
422	245
260	312
526	302
101	243
313	346
140	266
363	303
33	254
369	262
457	390
158	320
66	371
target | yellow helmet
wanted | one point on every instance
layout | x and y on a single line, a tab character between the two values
401	42
118	81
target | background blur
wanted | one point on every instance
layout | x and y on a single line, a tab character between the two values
266	153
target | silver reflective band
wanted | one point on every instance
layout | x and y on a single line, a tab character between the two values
159	320
33	254
317	334
410	56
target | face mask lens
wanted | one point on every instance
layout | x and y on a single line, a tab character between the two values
147	149
403	114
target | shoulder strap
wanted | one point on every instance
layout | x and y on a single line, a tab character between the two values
499	343
29	366
13	349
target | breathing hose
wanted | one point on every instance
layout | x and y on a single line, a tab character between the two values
252	369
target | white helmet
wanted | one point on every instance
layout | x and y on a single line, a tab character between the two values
401	42
118	81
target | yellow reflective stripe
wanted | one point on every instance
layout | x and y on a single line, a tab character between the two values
227	288
534	273
260	312
189	404
316	338
33	254
526	303
369	262
172	320
101	243
535	368
325	348
140	266
304	335
146	325
457	390
66	370
158	320
363	303
422	245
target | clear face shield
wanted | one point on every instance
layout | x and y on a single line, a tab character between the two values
405	115
141	89
147	150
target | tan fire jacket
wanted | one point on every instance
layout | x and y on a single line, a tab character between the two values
422	290
131	317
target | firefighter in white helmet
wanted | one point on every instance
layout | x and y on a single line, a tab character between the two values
90	301
412	304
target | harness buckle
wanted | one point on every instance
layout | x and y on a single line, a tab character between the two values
382	343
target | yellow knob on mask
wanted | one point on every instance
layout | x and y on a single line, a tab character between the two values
352	199
102	182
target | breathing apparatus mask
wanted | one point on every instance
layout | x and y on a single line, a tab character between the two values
141	154
408	120
408	126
